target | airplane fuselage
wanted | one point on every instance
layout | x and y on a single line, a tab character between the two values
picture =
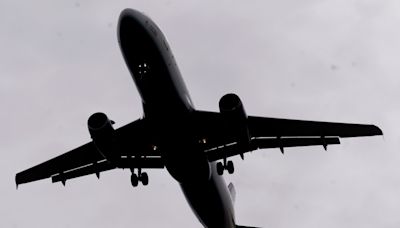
167	111
193	145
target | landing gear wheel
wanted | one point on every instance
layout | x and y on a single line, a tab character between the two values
220	168
134	180
230	167
144	178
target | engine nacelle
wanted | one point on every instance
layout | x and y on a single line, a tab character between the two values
231	106
102	133
100	126
235	118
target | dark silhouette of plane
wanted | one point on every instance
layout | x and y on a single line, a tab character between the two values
194	146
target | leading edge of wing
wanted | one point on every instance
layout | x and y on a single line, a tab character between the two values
270	127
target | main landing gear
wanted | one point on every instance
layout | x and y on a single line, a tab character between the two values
227	165
140	177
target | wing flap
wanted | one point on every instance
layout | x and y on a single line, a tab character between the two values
261	143
264	143
132	141
97	168
142	162
78	157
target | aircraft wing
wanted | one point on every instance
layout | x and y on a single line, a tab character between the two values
133	147
272	127
273	133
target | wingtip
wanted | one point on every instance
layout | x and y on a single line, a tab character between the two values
378	131
20	179
16	181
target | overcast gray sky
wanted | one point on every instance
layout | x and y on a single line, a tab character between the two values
332	60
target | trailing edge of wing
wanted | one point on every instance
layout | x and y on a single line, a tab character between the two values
264	143
132	140
261	143
97	168
83	155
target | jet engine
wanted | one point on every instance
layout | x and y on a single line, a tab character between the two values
235	121
235	117
231	106
102	133
100	126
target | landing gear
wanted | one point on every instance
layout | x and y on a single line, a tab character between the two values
134	180
230	167
144	178
220	168
140	177
227	165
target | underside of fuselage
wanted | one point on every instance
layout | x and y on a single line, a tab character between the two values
193	145
167	105
152	66
167	110
211	201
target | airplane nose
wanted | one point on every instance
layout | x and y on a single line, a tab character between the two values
131	33
130	22
125	19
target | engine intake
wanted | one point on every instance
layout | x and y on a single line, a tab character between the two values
100	126
231	106
102	133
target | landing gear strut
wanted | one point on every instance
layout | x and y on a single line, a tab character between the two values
140	177
227	165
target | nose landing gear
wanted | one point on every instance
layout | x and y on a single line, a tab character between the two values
140	177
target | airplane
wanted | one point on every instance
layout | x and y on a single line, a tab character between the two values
193	145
